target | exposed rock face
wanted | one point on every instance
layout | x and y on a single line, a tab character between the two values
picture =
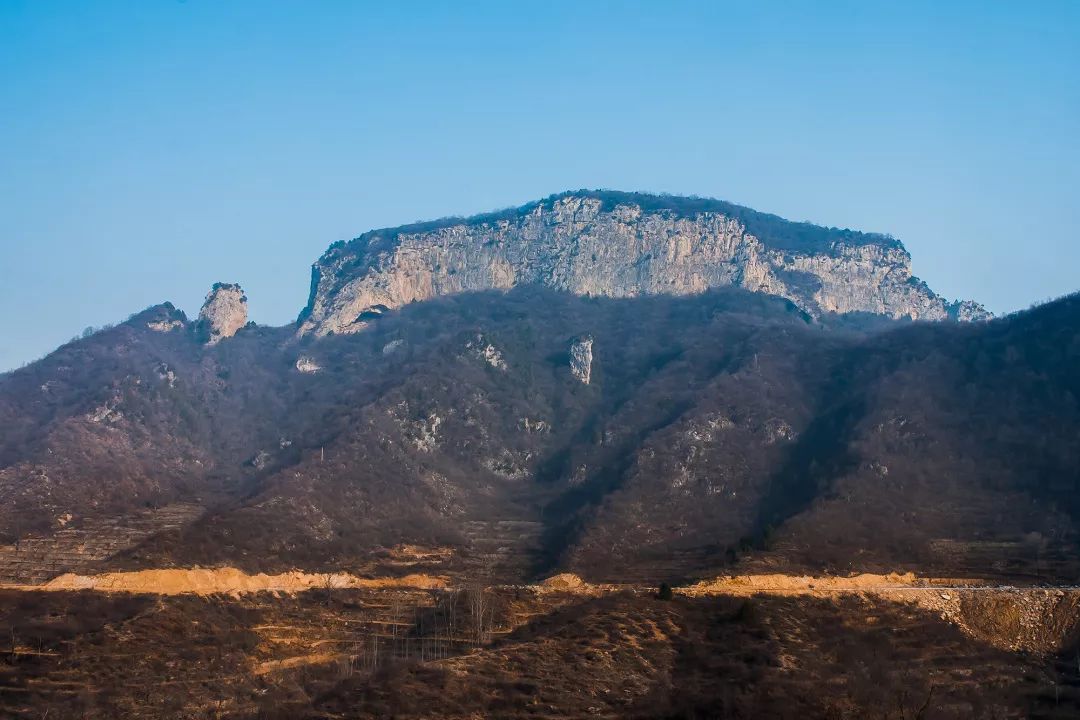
109	412
307	365
487	352
968	311
165	325
620	245
581	359
165	374
164	318
224	312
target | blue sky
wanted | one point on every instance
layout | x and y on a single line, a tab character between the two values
152	147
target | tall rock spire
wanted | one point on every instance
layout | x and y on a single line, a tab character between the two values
223	313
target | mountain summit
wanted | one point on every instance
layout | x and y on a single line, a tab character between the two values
619	244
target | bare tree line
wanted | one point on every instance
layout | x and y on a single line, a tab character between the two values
454	620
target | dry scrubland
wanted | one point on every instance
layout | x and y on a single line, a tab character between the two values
742	646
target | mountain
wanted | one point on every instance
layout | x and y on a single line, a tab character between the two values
615	244
650	414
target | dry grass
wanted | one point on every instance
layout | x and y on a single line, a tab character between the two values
375	653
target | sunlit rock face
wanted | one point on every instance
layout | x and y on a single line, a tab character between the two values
223	313
621	245
968	311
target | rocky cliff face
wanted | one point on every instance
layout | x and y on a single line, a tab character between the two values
620	245
223	313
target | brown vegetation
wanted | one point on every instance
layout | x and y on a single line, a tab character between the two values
422	654
718	430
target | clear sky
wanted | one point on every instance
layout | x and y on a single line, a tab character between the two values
149	148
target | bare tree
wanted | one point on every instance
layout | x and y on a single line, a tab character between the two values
328	582
1037	543
479	611
452	599
348	662
368	657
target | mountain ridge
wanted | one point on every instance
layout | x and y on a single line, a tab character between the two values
463	425
573	419
618	244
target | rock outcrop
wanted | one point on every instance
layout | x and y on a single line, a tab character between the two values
165	325
620	245
307	365
487	352
223	313
581	359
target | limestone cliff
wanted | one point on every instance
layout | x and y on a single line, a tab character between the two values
620	245
223	313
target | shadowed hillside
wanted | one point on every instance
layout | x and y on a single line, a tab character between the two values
715	429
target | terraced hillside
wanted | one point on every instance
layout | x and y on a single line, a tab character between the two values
736	647
83	549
